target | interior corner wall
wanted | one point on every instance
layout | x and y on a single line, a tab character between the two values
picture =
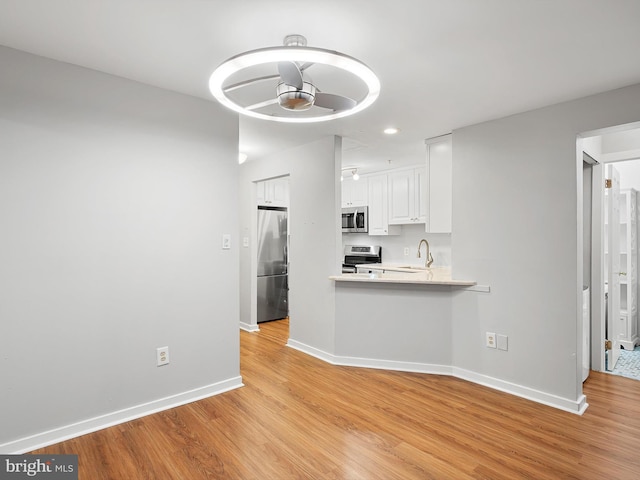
114	197
315	242
516	228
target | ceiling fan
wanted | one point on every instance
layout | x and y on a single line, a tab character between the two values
294	90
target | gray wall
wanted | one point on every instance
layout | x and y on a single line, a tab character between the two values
315	242
113	200
394	323
517	228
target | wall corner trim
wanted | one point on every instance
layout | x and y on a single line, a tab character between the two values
247	327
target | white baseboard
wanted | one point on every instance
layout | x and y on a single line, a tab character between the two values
314	352
67	432
394	365
577	407
371	362
248	327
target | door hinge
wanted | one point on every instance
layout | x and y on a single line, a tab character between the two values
607	344
607	183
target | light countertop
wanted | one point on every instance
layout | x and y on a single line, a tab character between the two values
390	273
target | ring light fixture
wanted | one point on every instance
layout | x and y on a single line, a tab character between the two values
297	53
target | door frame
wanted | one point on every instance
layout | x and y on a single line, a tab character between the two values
597	241
598	274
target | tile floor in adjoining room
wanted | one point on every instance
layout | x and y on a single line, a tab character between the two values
628	364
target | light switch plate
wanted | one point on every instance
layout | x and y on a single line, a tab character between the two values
503	342
226	241
245	242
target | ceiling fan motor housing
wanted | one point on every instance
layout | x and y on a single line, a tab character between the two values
291	98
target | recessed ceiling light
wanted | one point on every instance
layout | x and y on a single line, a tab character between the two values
291	61
391	130
242	157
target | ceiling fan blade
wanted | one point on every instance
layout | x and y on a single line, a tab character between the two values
244	83
304	66
266	103
290	74
334	102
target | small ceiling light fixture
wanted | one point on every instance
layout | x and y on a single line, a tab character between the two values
354	173
391	130
294	98
242	157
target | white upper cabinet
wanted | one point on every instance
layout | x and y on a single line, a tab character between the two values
439	185
407	196
355	193
273	192
379	207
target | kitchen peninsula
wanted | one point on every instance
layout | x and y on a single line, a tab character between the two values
397	317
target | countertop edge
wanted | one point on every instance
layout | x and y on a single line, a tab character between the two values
355	277
399	274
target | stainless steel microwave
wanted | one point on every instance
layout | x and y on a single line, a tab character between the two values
355	220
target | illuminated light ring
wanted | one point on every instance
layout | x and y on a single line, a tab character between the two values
293	54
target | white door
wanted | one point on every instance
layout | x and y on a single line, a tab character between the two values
613	261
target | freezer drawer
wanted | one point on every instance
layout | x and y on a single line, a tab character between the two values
273	301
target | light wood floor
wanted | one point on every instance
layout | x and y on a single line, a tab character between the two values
300	418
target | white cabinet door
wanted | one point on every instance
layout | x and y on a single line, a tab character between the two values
407	199
355	193
261	193
279	192
346	192
360	192
439	185
378	207
273	192
420	211
401	194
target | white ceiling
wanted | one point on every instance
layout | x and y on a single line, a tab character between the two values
443	64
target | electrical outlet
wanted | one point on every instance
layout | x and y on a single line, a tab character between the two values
245	242
491	340
162	356
503	342
406	251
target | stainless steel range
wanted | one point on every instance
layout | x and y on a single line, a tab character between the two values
355	255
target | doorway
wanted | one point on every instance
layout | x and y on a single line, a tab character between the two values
618	147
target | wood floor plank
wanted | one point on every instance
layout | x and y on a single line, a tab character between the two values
300	418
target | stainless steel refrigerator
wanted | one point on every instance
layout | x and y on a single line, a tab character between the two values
273	286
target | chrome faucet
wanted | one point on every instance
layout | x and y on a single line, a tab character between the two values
428	257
